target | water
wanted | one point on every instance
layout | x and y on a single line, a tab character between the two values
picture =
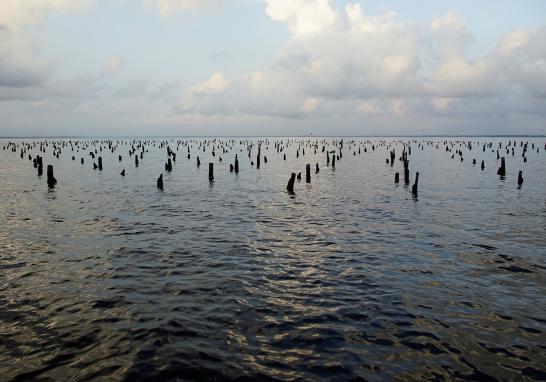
352	278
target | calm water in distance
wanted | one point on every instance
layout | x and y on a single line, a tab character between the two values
107	278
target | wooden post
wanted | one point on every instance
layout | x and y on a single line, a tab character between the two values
122	172
414	188
100	163
520	178
211	172
502	169
317	169
50	178
160	182
198	162
290	186
483	164
396	178
308	173
236	164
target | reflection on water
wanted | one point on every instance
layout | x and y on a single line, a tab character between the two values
106	277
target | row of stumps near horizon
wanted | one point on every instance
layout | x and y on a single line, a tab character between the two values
138	148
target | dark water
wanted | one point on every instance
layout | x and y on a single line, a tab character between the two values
353	278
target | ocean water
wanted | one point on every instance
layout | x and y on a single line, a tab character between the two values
352	277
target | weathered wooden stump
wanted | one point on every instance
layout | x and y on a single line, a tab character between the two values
396	178
483	165
308	173
414	187
317	169
122	172
236	164
100	163
502	169
211	172
51	181
520	178
290	186
160	182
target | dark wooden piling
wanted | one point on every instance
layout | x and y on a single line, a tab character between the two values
40	165
502	169
414	187
520	178
396	177
290	186
51	181
308	173
119	158
169	165
211	172
230	167
160	182
298	176
333	161
483	165
317	169
122	172
236	164
81	161
198	162
406	171
100	163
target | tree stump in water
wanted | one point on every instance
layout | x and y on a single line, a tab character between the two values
51	181
414	187
290	186
502	169
160	182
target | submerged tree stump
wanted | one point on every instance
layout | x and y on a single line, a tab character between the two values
160	182
502	169
414	187
51	181
290	186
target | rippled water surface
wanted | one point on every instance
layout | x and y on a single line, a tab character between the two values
108	278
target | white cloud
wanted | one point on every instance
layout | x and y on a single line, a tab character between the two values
347	60
303	17
18	13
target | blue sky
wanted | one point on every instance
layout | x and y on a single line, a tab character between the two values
146	67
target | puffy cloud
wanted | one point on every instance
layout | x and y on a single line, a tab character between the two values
303	17
20	67
376	66
17	13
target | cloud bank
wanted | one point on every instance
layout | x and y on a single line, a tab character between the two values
338	67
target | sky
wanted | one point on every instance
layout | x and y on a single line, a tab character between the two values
272	67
